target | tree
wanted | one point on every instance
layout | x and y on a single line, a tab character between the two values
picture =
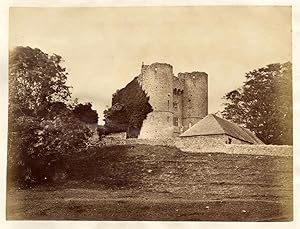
101	131
264	103
130	107
85	113
116	119
42	129
39	147
36	80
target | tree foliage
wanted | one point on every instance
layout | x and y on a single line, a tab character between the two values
42	129
85	113
130	107
36	80
264	103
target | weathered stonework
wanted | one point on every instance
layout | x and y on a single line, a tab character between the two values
210	143
205	144
177	102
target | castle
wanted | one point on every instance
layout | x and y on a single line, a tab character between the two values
178	102
179	110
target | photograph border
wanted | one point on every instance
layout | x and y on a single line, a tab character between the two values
137	224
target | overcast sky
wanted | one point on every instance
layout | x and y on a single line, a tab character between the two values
103	48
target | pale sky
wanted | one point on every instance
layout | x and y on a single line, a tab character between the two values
103	48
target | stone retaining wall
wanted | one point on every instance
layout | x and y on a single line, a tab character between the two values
134	141
206	144
272	150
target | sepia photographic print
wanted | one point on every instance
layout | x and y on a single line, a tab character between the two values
150	113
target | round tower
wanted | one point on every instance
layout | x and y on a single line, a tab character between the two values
157	81
195	97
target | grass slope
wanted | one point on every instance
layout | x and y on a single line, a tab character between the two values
142	182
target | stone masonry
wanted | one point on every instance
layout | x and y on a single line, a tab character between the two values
178	102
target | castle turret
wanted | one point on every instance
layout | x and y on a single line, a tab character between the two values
195	97
177	102
157	81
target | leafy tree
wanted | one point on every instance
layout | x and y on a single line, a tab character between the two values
130	107
264	103
41	129
116	119
36	80
85	113
39	147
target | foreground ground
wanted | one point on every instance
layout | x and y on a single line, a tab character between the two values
89	204
161	183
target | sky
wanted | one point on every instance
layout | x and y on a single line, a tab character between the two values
104	48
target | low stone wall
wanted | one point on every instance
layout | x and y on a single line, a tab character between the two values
207	144
272	150
162	142
200	144
111	141
134	141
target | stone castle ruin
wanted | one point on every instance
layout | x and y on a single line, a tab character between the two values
179	116
179	110
178	102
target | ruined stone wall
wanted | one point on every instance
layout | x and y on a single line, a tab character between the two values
204	144
157	81
271	150
195	97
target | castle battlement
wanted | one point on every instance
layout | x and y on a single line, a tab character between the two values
157	67
194	75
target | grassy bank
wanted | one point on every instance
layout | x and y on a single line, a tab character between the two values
143	182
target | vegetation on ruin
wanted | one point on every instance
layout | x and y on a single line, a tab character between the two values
44	124
130	107
264	103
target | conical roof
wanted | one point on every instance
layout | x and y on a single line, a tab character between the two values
214	125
